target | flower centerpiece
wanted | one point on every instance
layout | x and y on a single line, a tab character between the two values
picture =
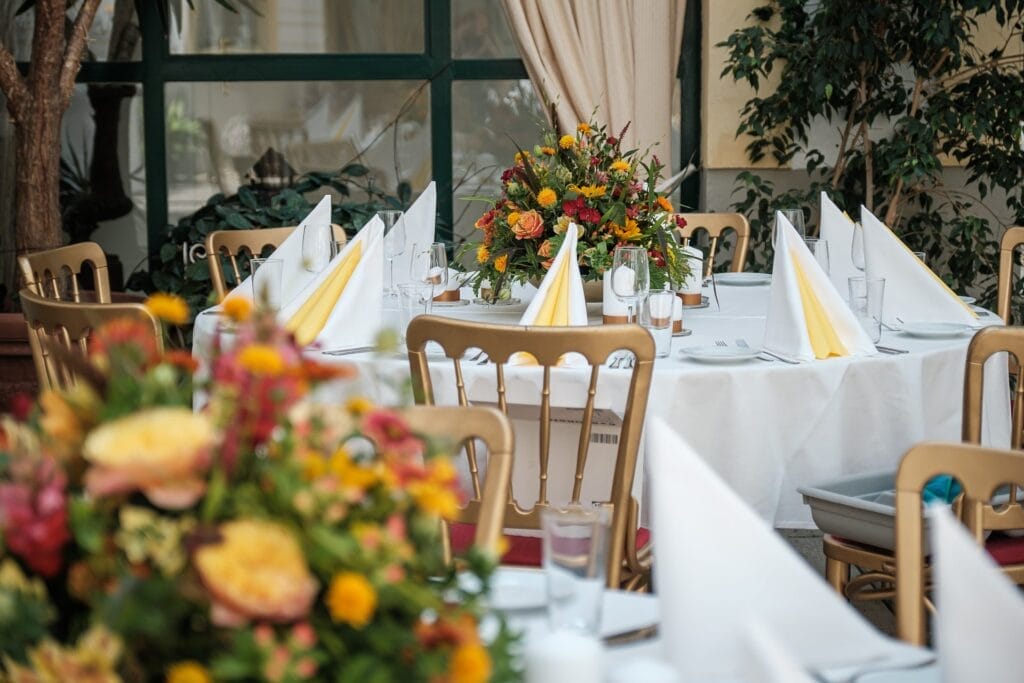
586	179
266	538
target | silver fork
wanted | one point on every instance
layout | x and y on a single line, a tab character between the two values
742	343
720	342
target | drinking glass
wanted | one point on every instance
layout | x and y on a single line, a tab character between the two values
430	267
922	257
866	300
795	218
317	245
413	299
575	546
819	250
267	274
630	277
857	248
659	320
394	243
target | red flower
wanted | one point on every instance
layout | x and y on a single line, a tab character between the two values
590	215
390	432
34	519
680	221
569	208
659	258
21	405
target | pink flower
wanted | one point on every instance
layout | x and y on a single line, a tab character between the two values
304	635
389	431
33	517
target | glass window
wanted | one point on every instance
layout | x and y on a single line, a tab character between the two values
216	132
301	26
480	31
488	119
114	35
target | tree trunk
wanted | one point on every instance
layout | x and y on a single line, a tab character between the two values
37	178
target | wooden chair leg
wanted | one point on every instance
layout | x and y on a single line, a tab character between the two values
837	573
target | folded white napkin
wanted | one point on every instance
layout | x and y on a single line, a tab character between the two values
294	276
718	566
807	318
980	612
342	305
559	300
768	660
913	293
837	229
419	231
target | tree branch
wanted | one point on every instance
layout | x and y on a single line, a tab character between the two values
75	49
12	84
837	173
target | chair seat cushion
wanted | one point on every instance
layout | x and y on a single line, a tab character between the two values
523	551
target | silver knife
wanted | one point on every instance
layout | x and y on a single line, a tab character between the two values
632	635
345	352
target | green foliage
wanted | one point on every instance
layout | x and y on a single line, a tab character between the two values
251	208
904	84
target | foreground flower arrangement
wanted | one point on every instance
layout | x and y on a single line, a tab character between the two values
265	538
586	179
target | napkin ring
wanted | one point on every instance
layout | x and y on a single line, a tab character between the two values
677	326
449	295
690	298
614	319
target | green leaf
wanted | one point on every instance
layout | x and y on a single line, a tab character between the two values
86	525
355	170
199	271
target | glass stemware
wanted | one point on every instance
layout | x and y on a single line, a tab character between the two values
857	248
394	243
430	268
630	277
317	244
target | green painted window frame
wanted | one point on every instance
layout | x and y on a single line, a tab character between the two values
435	65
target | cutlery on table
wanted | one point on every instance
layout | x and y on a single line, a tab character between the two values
632	635
742	343
890	350
781	358
345	352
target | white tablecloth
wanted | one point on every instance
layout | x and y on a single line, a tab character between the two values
766	427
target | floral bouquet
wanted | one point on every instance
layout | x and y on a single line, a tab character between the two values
584	179
266	538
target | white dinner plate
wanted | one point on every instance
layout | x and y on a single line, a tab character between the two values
451	304
936	330
517	590
719	354
743	279
967	299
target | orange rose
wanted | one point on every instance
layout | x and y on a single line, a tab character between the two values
529	226
544	251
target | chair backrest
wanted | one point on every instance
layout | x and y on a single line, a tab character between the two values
235	243
1012	238
716	225
67	325
981	471
548	345
986	343
55	273
459	427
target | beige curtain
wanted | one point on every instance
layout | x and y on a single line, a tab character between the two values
617	57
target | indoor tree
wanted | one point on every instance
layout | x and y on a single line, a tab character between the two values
904	85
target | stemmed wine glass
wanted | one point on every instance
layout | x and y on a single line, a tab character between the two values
430	269
631	277
857	248
317	244
795	218
394	243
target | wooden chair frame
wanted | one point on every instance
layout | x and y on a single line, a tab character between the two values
44	270
716	225
548	345
981	471
235	242
460	426
1012	238
69	324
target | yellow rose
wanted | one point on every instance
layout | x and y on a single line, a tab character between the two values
351	599
161	451
188	672
168	307
256	572
469	663
501	263
261	359
482	254
547	198
566	141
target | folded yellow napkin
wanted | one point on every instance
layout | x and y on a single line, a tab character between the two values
311	317
554	311
822	334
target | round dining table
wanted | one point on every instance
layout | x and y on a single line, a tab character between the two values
766	426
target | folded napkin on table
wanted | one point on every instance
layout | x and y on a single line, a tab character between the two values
768	660
342	304
807	318
294	276
837	229
559	300
419	231
913	293
980	612
718	567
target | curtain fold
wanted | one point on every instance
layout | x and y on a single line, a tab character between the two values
615	57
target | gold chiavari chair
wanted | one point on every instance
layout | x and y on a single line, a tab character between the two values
55	273
877	566
981	472
716	225
63	327
629	552
1012	239
459	427
235	243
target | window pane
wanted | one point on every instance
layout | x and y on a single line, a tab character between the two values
114	36
302	26
480	30
217	131
487	117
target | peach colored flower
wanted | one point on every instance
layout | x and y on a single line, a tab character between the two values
161	451
544	250
256	572
529	226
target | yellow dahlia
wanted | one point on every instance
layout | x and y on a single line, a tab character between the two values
547	198
620	165
584	128
566	141
351	599
237	308
168	307
261	359
482	254
469	663
188	672
501	263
